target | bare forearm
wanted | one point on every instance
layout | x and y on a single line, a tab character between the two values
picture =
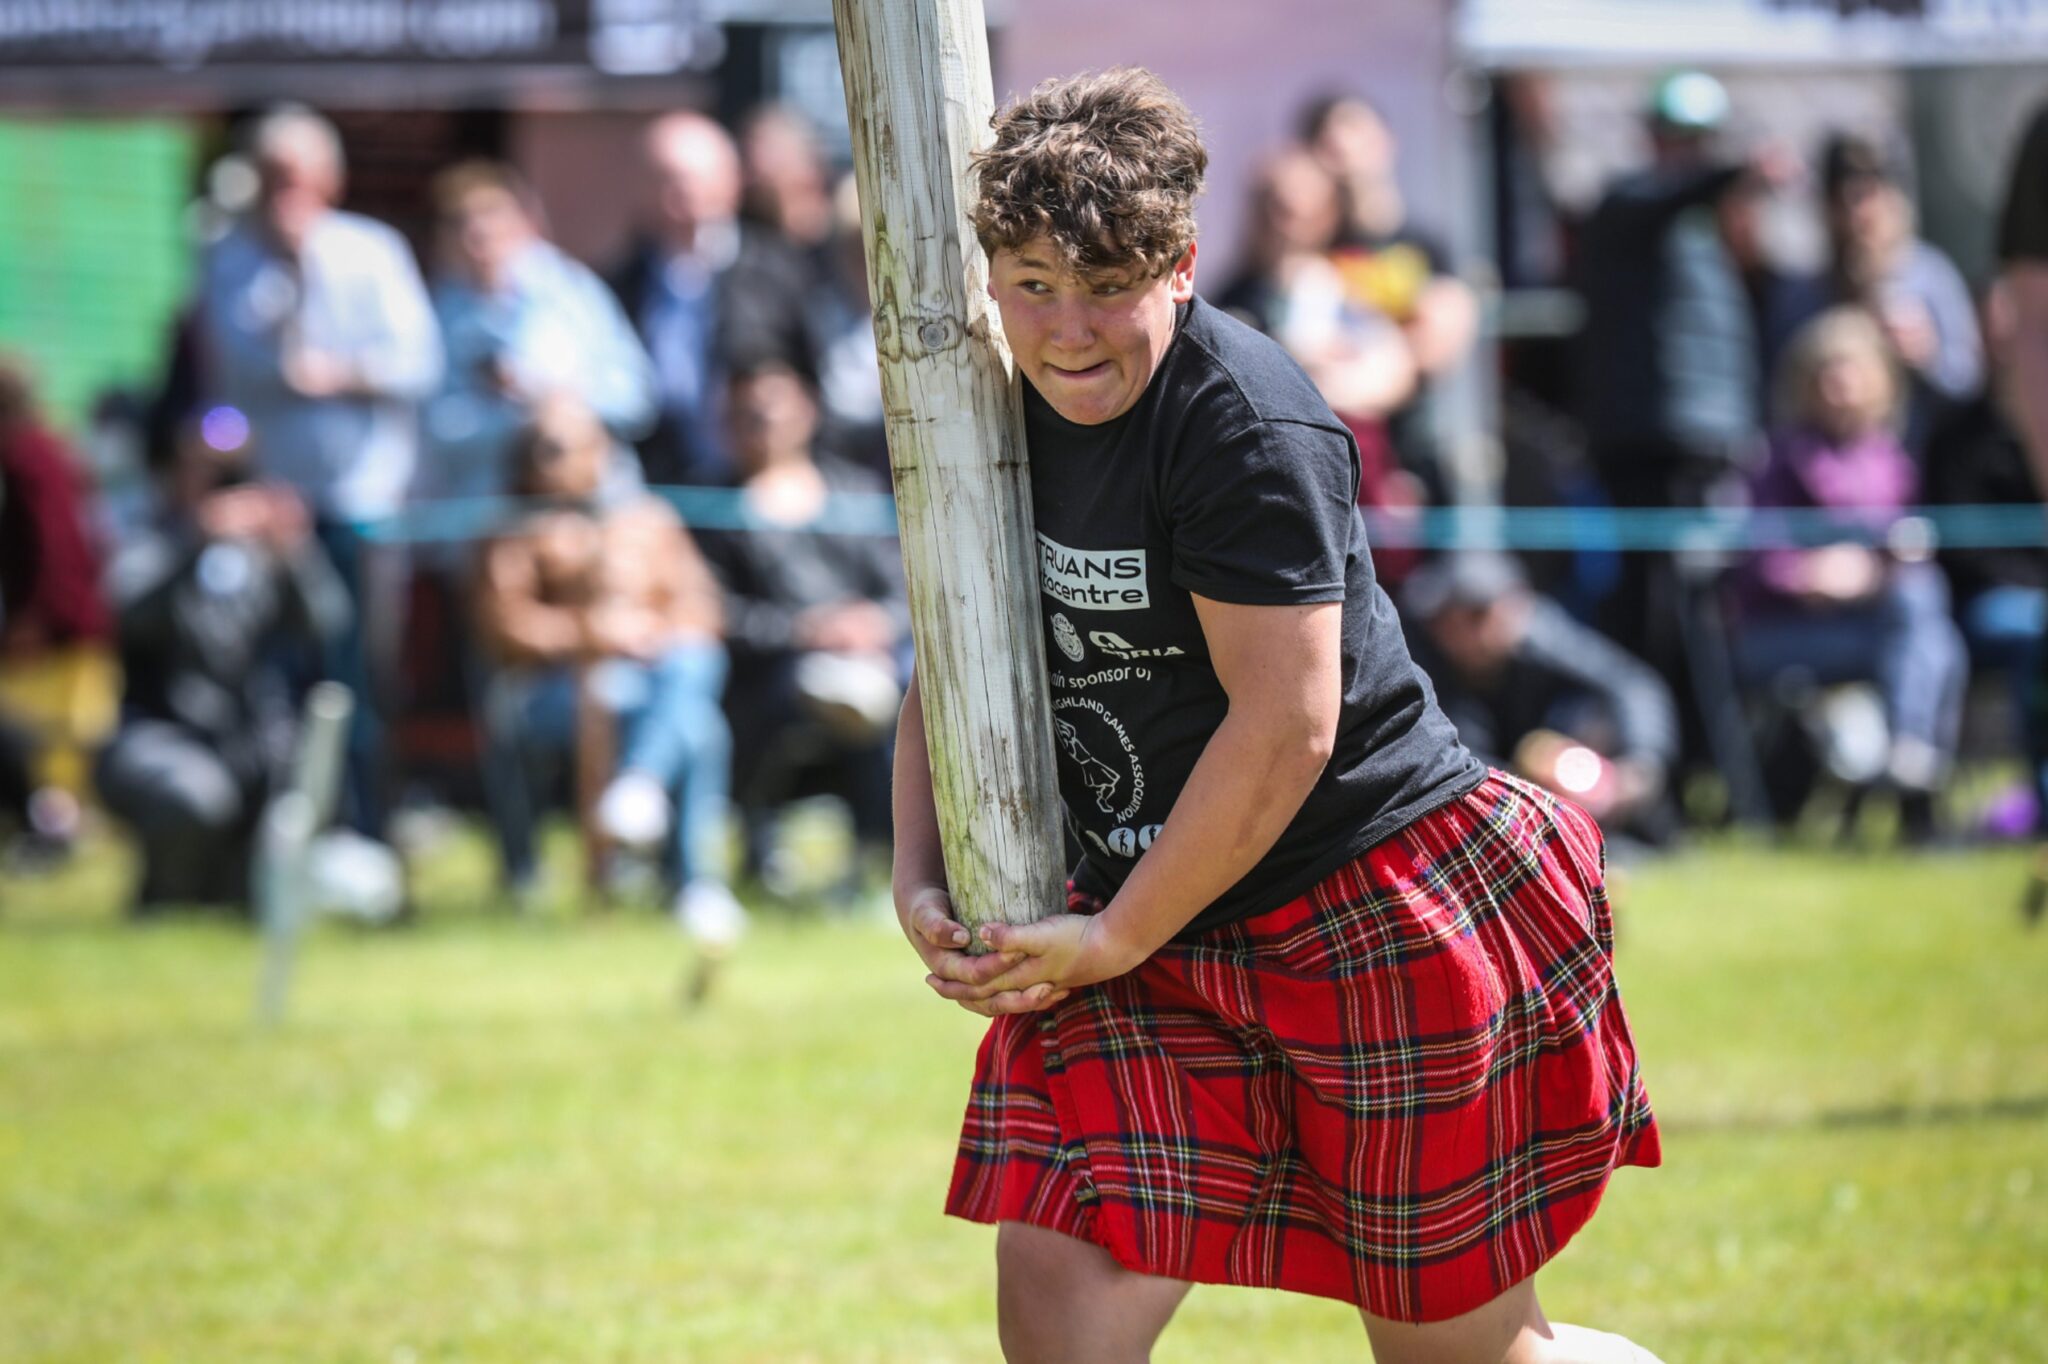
920	859
1245	789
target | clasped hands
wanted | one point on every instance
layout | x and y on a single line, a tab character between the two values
1028	967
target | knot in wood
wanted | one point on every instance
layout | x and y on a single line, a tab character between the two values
938	333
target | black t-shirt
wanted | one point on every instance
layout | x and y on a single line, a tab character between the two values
2023	231
1230	478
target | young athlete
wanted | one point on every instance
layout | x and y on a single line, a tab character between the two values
1333	1008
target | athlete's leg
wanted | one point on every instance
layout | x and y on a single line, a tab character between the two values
1509	1330
1060	1300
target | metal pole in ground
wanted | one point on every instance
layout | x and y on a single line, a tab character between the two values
285	840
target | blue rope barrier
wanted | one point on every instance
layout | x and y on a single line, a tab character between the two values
1684	529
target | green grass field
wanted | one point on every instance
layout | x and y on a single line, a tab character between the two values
487	1138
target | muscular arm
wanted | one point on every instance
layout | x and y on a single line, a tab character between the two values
920	865
514	618
1281	667
918	882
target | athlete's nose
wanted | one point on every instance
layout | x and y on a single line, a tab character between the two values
1073	330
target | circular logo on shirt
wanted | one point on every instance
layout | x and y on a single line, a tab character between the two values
1066	636
1098	747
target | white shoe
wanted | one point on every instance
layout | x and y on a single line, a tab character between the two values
355	877
854	695
707	911
633	811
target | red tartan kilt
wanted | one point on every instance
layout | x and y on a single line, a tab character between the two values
1405	1089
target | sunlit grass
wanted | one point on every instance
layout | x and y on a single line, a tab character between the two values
497	1137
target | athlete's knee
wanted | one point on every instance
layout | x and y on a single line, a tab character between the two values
1061	1300
1503	1331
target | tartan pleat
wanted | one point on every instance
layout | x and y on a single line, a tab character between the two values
1406	1089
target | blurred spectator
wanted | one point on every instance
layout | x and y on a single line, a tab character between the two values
1529	223
2023	259
317	330
610	593
1532	690
787	181
2023	254
1975	458
55	629
49	564
843	328
703	289
1667	362
18	785
817	618
1386	261
1289	288
1781	301
1916	292
228	574
520	320
1853	610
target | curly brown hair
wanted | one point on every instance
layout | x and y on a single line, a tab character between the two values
1106	164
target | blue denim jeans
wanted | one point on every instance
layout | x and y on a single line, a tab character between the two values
1903	640
671	728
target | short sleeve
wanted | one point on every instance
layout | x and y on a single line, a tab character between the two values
2023	230
1265	517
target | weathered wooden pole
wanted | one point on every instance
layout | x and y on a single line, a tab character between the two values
918	99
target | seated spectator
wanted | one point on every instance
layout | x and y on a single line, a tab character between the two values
610	594
817	618
1536	692
229	576
1854	610
1976	458
520	320
56	671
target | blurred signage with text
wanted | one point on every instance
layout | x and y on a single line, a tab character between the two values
629	37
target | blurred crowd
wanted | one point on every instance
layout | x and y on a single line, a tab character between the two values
444	488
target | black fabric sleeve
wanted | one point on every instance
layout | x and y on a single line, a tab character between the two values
1651	200
1264	517
2023	229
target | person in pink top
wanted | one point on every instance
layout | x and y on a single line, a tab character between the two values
1867	606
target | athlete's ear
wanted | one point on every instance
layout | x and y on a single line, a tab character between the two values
1181	285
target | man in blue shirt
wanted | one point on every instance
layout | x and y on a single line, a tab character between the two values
315	325
704	290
